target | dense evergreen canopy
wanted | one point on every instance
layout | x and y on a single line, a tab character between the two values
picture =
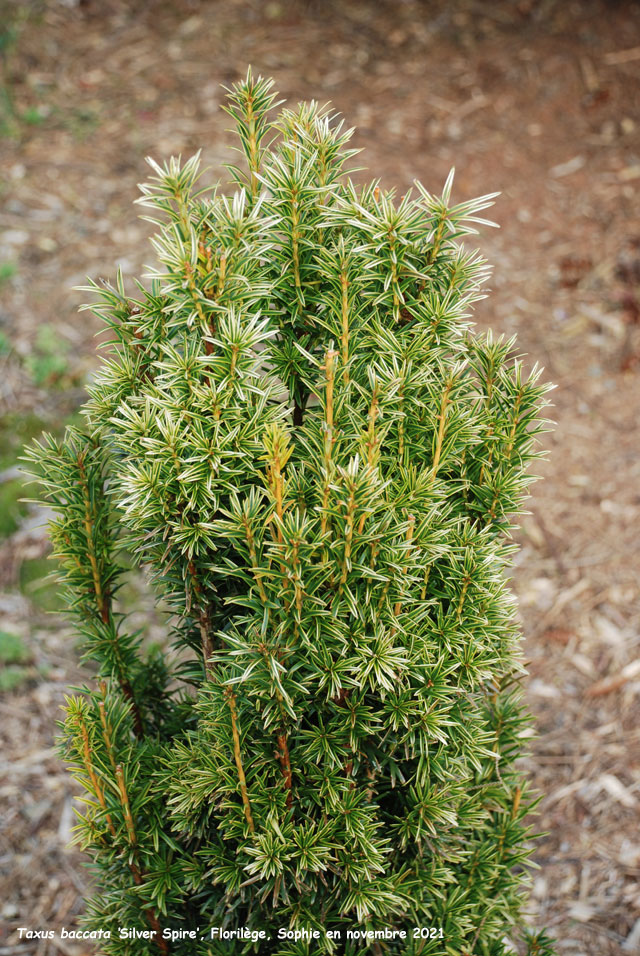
300	437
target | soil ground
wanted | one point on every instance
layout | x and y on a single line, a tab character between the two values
538	99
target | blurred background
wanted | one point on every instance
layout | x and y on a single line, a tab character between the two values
539	99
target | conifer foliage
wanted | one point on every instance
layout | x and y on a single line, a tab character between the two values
298	435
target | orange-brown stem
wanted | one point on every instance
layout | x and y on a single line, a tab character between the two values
134	868
237	753
204	620
207	644
295	237
423	592
103	599
514	425
136	871
437	239
401	425
285	764
465	587
441	427
126	807
106	733
297	586
351	505
408	538
372	441
254	164
193	289
97	789
253	557
329	367
345	320
516	802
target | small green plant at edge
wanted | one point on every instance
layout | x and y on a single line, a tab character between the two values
48	362
300	437
13	655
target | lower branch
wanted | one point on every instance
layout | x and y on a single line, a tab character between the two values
285	764
231	697
207	644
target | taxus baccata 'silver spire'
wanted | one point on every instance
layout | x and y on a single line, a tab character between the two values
300	438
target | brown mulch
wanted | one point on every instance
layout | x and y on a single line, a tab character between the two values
537	98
